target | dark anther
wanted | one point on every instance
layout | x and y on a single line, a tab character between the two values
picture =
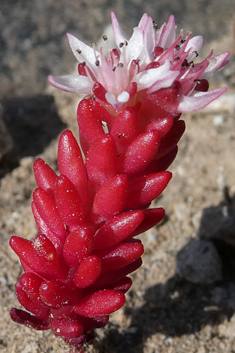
191	64
105	37
155	26
120	64
182	41
177	47
126	43
196	53
79	51
84	63
88	96
121	45
185	63
197	81
176	59
97	63
114	68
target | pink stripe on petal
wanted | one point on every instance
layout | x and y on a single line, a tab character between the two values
168	33
165	82
71	83
119	35
81	51
215	64
199	100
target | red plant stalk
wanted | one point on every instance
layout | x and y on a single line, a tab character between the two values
76	269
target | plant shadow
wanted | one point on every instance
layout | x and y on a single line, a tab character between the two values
179	307
31	123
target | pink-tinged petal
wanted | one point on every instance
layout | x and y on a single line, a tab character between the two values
146	26
168	33
119	35
143	21
165	82
134	47
215	64
194	46
83	52
72	83
147	78
199	100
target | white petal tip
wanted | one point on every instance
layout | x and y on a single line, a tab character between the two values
199	100
123	97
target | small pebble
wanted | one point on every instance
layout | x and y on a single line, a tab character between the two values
199	262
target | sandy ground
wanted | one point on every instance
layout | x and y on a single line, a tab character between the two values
164	312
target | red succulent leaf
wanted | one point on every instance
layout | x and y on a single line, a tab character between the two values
161	125
68	202
56	294
70	163
88	271
47	209
139	153
169	141
89	121
78	245
110	198
152	217
103	302
120	255
31	321
146	189
123	285
45	176
67	327
125	128
44	229
35	307
101	161
117	229
108	278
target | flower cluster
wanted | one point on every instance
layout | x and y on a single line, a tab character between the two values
76	269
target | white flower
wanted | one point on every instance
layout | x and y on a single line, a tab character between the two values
153	59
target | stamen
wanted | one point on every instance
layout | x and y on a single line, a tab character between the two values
79	51
121	45
105	37
155	26
120	65
97	63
